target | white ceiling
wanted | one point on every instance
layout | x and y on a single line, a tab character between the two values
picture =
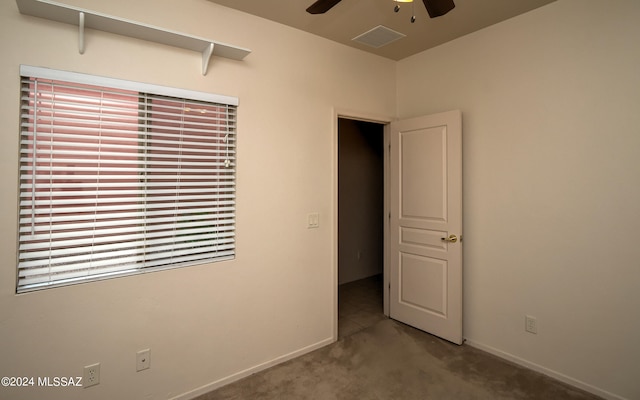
350	18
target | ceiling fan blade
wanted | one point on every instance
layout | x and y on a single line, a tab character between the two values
322	6
437	8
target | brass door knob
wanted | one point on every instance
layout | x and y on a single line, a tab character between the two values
452	238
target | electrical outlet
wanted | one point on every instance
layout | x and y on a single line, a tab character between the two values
530	324
91	375
143	360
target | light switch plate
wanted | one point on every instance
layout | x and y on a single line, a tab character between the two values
313	220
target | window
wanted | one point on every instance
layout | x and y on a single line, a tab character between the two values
119	177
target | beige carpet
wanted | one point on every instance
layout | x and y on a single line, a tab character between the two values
391	361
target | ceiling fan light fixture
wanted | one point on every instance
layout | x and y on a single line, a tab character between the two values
396	8
435	8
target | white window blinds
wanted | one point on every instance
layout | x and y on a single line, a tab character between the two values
118	181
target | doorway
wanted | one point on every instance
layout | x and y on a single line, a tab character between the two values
424	263
360	224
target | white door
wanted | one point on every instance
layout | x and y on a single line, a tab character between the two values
426	224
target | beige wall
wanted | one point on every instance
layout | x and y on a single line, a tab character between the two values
203	323
551	117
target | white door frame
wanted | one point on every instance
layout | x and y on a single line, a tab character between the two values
386	121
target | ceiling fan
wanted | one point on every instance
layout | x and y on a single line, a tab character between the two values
435	8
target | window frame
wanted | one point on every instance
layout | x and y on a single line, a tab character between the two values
148	97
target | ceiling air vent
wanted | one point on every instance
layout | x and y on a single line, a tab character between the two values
378	36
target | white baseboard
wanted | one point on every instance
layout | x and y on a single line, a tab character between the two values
242	374
546	371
